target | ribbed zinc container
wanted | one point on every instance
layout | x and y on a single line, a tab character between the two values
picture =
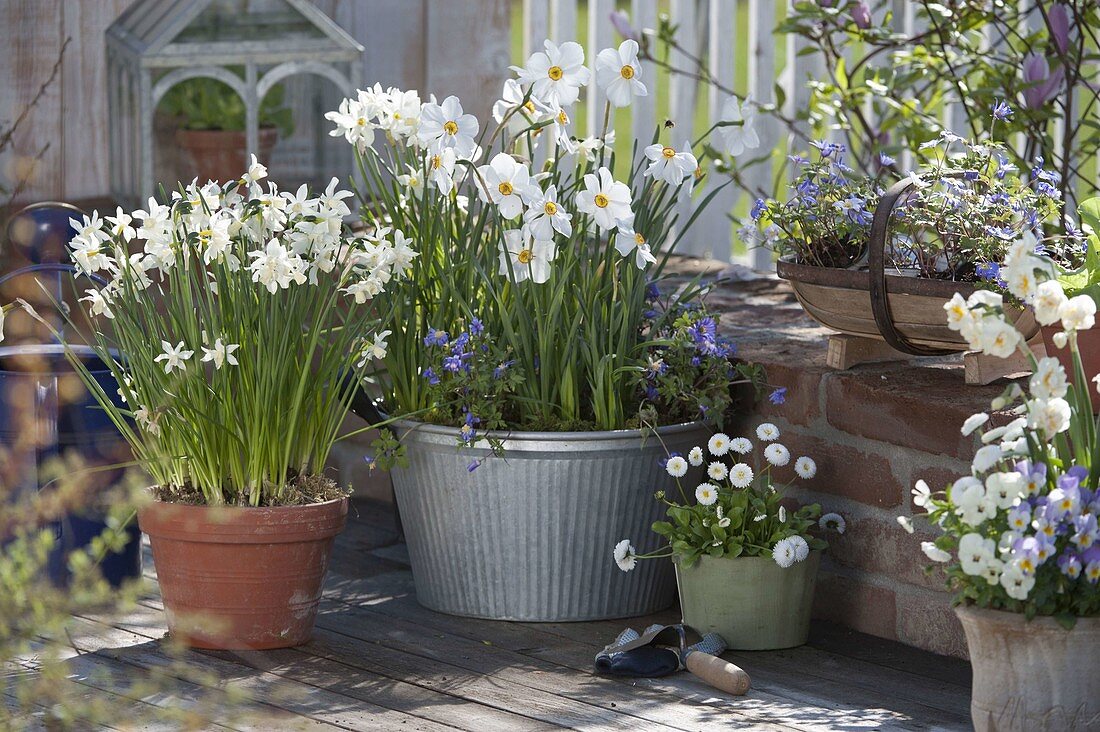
529	536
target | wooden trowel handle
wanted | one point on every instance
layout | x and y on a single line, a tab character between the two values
720	674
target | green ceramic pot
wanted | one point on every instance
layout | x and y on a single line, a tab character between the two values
752	602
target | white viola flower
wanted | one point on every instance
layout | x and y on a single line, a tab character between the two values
784	553
441	170
695	456
174	357
1005	489
444	126
99	303
905	523
740	445
971	504
717	470
801	547
624	555
975	551
669	165
1049	379
1017	583
706	494
606	199
719	444
627	241
555	74
526	257
507	183
997	337
741	135
1049	416
973	422
353	123
676	466
767	432
934	553
777	454
618	73
1048	301
1078	313
922	495
993	569
986	457
412	180
545	215
220	354
832	522
275	268
741	475
805	467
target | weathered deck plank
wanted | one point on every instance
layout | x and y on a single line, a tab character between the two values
381	661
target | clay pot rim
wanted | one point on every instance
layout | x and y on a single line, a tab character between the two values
1018	621
244	524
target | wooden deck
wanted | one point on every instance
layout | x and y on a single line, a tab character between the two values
380	661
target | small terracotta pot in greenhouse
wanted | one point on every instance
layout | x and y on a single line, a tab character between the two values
220	155
237	578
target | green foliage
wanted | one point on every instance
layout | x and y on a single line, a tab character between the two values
208	104
1085	280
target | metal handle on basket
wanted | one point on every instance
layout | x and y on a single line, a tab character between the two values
59	268
876	263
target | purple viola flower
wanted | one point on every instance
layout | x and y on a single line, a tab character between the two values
1025	552
1065	499
1058	20
1085	531
1042	84
1091	560
1079	472
1035	476
778	396
621	22
861	15
1070	564
1019	517
436	337
1001	111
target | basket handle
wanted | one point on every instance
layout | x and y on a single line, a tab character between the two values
876	263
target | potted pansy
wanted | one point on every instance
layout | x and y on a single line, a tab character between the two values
540	360
745	565
876	256
236	321
1020	545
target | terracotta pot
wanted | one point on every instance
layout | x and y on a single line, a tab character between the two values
752	602
1033	675
239	578
220	154
1088	343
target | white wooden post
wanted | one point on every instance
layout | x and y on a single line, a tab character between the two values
600	36
644	121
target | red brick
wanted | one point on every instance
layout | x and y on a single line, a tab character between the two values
920	408
844	471
925	619
880	546
937	480
803	393
858	605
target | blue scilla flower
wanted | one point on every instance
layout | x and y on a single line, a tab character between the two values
1001	232
649	314
1001	111
476	327
828	148
431	376
886	161
1046	189
436	337
652	292
778	395
989	271
757	209
457	362
500	369
797	160
460	342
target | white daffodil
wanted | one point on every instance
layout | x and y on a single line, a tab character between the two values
618	73
526	257
400	115
719	444
520	114
1020	277
741	445
628	241
934	553
412	180
174	357
402	254
119	225
767	432
505	182
784	553
378	347
1048	301
805	467
365	289
606	199
274	267
741	135
999	338
441	170
353	122
695	456
220	354
706	494
444	126
717	471
591	146
331	202
146	421
1078	313
255	173
777	454
555	74
676	466
625	555
741	475
545	215
669	165
1049	379
1049	416
98	304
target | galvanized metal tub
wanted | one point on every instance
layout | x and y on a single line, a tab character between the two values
529	536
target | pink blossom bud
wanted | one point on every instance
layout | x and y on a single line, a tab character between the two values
861	15
621	21
1058	18
1042	84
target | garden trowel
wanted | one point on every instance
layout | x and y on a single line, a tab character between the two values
662	649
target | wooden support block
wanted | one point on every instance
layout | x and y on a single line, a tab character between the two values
982	369
846	351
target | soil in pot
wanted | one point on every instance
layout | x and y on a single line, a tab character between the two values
220	155
752	602
242	577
